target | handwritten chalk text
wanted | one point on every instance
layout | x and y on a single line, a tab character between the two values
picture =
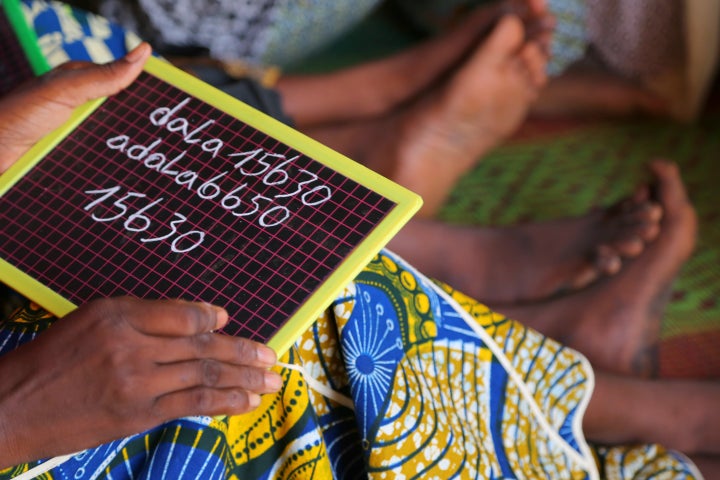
256	184
136	218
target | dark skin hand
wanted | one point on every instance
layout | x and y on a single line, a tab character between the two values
113	367
38	107
119	366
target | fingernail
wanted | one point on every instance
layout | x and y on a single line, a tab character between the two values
273	381
266	356
221	317
136	54
253	400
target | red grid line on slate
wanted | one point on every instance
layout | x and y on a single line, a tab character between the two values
260	274
14	66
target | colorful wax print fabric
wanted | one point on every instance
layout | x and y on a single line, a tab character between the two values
400	378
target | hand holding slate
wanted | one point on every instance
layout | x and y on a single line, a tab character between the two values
119	366
113	367
37	108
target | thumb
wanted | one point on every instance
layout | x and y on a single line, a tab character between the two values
38	107
75	83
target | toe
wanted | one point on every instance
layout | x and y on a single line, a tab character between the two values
650	212
635	226
633	212
586	276
538	7
679	215
535	62
641	219
671	190
639	197
607	261
505	40
629	247
648	231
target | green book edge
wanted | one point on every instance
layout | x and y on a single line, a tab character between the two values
26	36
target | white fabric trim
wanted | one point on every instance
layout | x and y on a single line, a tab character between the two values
322	389
585	459
45	467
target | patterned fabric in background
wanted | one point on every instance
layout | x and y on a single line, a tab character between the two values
641	38
15	68
283	32
570	39
399	378
66	33
257	31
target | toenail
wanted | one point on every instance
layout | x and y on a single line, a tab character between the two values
650	231
656	212
650	207
607	260
630	247
609	265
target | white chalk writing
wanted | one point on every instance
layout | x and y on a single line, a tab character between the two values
136	219
280	178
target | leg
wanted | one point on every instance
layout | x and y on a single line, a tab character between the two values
429	143
612	96
344	96
524	263
444	135
636	46
616	323
678	414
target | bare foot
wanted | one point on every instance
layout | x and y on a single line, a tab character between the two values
431	143
616	322
375	88
531	262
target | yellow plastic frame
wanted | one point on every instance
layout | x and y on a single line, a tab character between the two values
407	202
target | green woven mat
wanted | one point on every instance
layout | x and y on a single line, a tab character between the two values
571	172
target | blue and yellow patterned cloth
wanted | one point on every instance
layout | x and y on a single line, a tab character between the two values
424	382
399	378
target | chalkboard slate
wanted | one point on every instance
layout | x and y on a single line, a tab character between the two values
172	190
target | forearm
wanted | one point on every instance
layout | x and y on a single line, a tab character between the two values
17	436
338	97
678	414
8	446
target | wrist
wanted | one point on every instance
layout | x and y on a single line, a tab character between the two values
16	434
10	451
